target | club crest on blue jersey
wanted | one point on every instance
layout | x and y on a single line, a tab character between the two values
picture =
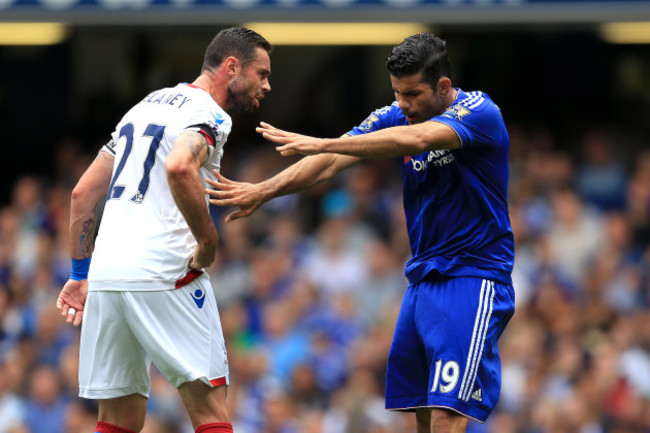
456	112
367	124
199	296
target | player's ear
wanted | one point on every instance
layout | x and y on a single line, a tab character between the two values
232	66
444	86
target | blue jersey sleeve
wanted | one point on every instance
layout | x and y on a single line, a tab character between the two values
476	120
381	118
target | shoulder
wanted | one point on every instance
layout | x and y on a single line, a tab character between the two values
382	117
207	111
472	106
474	100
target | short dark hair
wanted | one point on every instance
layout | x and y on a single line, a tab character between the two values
424	53
238	42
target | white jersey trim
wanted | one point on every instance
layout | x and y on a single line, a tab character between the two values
473	100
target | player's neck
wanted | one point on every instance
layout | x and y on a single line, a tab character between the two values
451	97
210	82
203	83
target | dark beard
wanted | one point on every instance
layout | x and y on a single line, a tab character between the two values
239	102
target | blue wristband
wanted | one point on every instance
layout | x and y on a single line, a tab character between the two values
79	269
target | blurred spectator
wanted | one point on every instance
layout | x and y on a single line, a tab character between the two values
284	345
638	200
335	265
384	284
600	176
574	235
12	407
46	407
30	210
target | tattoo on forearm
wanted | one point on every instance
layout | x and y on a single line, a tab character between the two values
87	235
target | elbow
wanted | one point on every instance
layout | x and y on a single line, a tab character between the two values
79	192
176	169
419	145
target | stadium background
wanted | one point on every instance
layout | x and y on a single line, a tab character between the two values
309	287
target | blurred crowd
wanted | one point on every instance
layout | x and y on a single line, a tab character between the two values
309	289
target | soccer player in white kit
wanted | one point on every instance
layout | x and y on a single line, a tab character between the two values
144	297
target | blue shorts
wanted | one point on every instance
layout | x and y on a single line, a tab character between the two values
444	352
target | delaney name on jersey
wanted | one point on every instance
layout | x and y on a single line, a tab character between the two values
174	99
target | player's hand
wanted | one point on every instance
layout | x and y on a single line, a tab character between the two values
71	301
204	255
246	196
291	143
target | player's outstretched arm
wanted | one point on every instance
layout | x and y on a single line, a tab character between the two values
291	143
390	142
247	197
183	164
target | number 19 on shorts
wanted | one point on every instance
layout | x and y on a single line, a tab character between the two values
446	376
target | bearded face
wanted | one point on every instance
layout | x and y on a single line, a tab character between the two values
247	90
243	96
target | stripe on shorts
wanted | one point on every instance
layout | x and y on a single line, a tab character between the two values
481	323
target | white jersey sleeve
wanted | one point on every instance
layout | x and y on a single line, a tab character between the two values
144	242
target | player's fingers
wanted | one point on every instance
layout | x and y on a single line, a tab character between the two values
288	152
62	306
221	177
223	202
77	318
278	133
70	313
266	125
217	190
276	138
266	133
240	213
218	184
213	194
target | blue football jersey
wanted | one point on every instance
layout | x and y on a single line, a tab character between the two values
456	200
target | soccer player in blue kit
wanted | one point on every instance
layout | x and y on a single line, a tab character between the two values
452	145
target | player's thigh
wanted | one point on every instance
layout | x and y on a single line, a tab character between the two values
181	332
460	321
112	362
407	372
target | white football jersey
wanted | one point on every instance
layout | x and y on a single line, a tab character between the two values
144	242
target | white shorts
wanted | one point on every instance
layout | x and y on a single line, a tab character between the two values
124	332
